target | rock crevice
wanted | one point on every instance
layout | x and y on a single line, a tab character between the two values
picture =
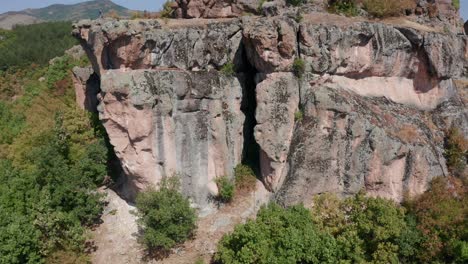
365	114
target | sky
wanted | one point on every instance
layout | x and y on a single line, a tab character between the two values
16	5
151	5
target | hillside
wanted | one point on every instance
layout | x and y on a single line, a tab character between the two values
59	12
237	132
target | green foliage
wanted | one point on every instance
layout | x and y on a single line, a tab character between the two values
278	235
260	5
298	115
456	151
167	11
36	43
228	69
57	71
11	124
225	189
244	177
358	229
345	7
56	157
456	4
441	217
165	216
296	2
298	67
299	17
367	229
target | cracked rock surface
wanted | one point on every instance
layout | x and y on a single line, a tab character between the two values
369	112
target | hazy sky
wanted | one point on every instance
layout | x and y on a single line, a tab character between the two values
153	5
16	5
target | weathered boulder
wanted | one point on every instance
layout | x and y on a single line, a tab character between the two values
172	122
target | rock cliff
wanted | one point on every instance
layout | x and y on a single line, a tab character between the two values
368	109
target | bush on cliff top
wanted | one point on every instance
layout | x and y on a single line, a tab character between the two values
165	216
375	8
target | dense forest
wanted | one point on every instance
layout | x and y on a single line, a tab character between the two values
52	154
34	44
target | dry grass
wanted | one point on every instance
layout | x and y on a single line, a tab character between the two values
462	87
386	8
408	134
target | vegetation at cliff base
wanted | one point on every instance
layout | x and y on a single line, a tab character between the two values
430	228
36	44
53	156
225	189
165	216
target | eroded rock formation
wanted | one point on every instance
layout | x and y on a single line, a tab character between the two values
369	111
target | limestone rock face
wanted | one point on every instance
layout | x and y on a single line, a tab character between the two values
346	142
115	44
163	123
369	111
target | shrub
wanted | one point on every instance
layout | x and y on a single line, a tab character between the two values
245	177
228	69
456	4
298	115
456	151
277	235
165	216
296	2
298	67
441	217
167	11
112	14
225	189
136	15
260	6
298	17
346	7
366	229
385	8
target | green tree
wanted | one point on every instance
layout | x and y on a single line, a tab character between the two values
165	216
441	213
278	235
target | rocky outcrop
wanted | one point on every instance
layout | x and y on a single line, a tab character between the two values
168	122
345	142
87	85
215	8
369	110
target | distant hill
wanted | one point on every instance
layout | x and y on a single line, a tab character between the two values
60	12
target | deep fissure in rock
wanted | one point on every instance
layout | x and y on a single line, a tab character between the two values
251	149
